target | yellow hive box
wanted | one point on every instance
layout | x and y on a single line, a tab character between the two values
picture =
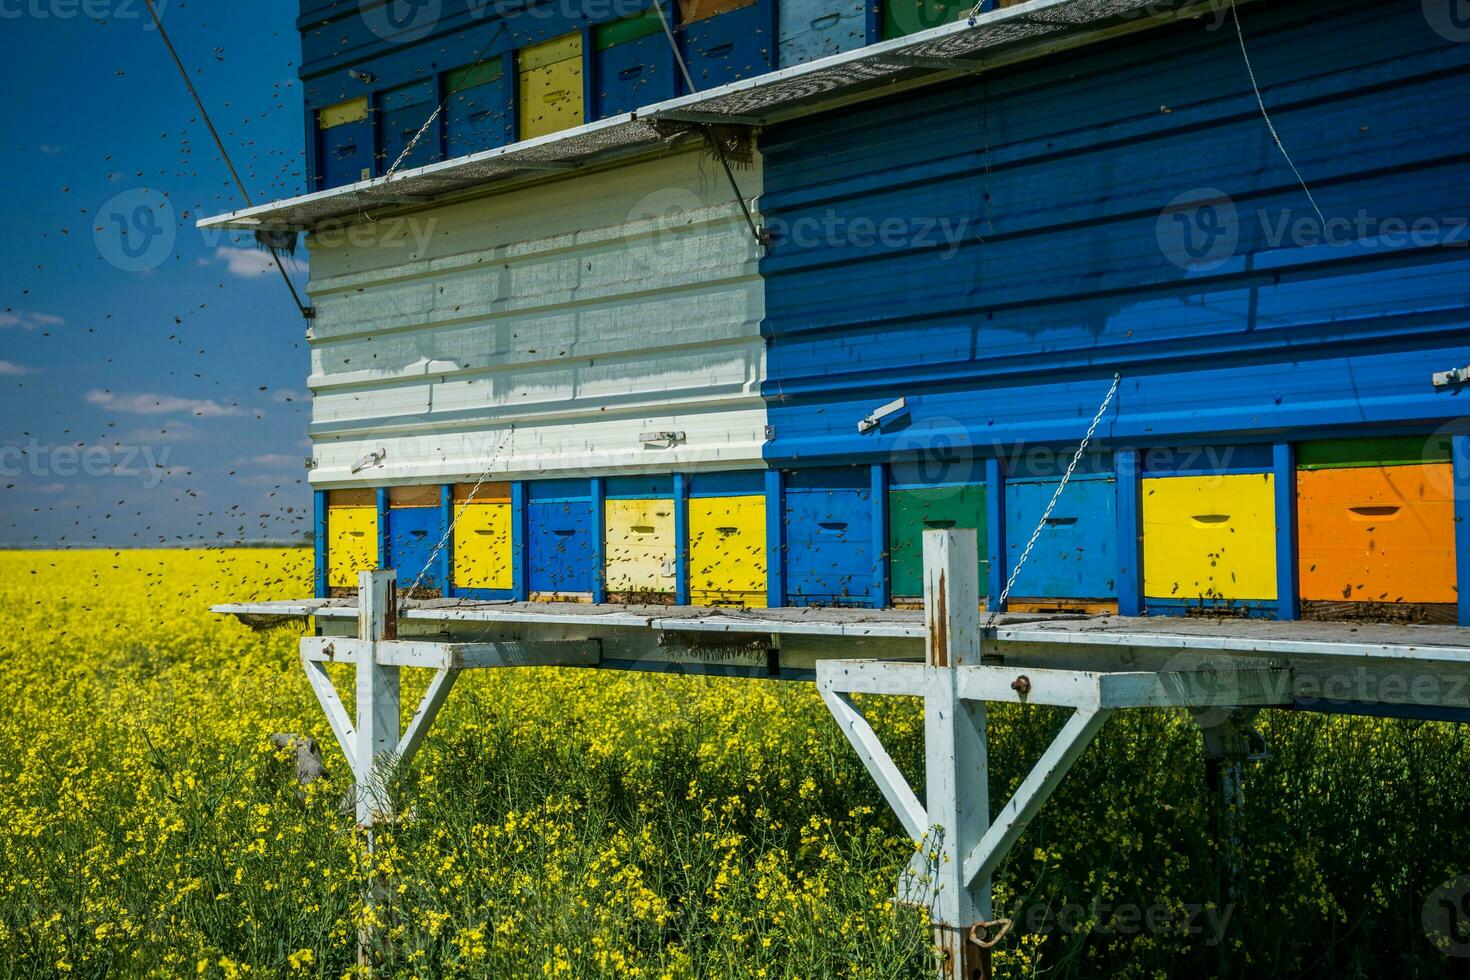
551	86
1210	537
727	551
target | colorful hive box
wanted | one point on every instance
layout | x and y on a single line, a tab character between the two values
812	29
344	143
560	545
727	540
635	65
415	528
1210	540
729	46
405	111
640	556
1376	526
915	505
691	11
1074	561
904	17
551	86
476	108
352	536
483	539
828	529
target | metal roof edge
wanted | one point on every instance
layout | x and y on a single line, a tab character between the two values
1022	32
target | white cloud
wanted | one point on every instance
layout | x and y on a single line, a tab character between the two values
244	262
26	320
151	404
12	369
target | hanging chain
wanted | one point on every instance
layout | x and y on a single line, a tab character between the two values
449	531
413	142
1046	515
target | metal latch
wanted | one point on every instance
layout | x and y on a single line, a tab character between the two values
882	414
371	459
1454	376
667	439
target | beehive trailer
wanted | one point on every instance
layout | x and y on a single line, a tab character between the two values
945	654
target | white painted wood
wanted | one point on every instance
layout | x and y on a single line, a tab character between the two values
957	800
377	696
981	860
423	718
540	332
880	765
455	656
326	694
952	597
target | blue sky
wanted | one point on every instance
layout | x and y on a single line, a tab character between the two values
151	383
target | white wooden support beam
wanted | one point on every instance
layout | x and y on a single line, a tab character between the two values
879	763
956	762
377	695
455	656
326	694
423	718
983	857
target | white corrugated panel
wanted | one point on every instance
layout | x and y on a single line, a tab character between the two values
541	332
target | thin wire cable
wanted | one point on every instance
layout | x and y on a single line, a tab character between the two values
224	154
479	59
1270	126
761	238
413	142
1046	515
454	521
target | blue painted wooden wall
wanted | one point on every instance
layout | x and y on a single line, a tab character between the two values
995	250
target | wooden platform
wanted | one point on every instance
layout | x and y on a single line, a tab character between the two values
1415	670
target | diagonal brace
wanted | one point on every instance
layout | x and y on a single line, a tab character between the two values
423	718
326	694
879	763
1008	825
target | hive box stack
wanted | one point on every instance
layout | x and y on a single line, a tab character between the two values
593	384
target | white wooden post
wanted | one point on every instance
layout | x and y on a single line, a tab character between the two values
957	793
375	739
378	719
